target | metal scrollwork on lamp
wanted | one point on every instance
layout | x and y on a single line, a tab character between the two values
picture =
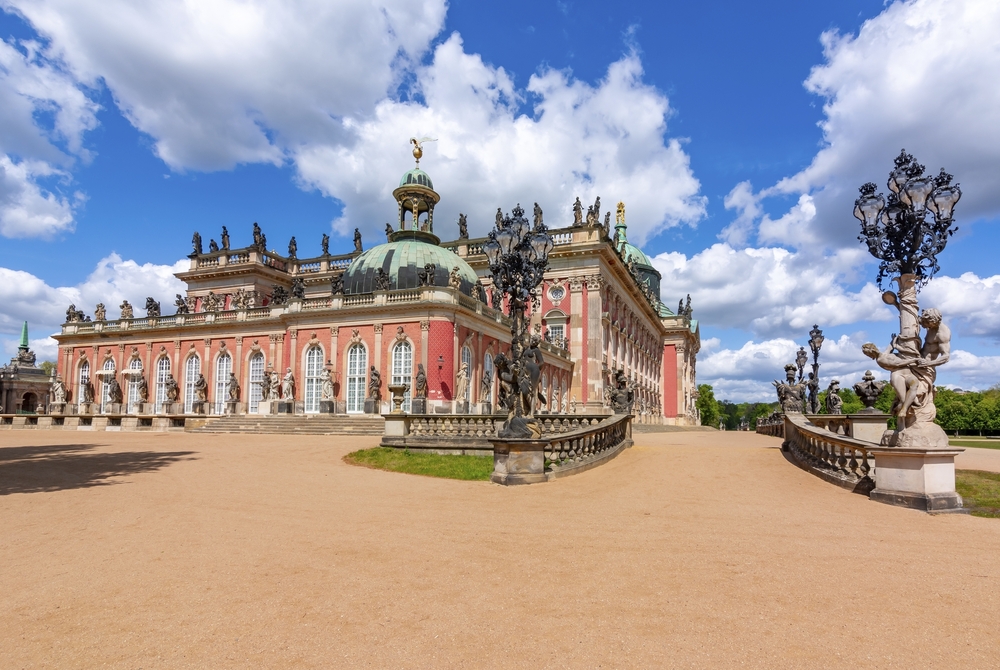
906	231
518	256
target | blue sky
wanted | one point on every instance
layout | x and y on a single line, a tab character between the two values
736	133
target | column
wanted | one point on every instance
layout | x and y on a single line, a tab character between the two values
577	334
378	354
425	327
293	360
594	380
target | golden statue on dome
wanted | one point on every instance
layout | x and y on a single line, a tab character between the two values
418	149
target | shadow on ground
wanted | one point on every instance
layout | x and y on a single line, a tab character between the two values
69	466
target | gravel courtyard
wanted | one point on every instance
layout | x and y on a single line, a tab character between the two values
691	549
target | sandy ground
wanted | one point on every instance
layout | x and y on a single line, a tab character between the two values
979	459
688	550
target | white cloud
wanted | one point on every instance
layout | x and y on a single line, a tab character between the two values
915	76
972	301
25	297
26	210
767	291
578	140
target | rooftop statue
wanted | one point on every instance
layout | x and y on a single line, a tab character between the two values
73	315
426	276
293	248
225	239
196	243
381	280
337	284
388	231
152	308
258	237
463	227
126	310
298	288
357	241
213	246
100	312
279	295
325	244
577	213
537	217
455	279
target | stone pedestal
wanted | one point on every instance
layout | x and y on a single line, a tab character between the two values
461	407
327	406
396	425
174	408
147	408
418	406
266	407
199	407
285	407
232	407
921	479
371	406
485	408
868	427
518	461
113	408
57	408
86	408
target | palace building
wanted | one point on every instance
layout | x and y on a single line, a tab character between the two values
413	302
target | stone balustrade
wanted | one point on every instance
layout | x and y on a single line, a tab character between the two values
837	458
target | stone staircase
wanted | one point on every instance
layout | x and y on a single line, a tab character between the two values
309	424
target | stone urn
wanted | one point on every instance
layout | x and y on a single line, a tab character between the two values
398	392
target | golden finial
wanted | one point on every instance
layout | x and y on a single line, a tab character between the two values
418	150
620	214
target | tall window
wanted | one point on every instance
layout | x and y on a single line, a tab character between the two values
83	381
191	369
223	366
357	366
256	377
314	384
109	366
545	393
402	369
467	360
162	372
488	370
556	334
133	386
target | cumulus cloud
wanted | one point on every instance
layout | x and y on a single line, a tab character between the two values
972	301
25	297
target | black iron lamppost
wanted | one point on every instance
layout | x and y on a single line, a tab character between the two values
815	344
518	256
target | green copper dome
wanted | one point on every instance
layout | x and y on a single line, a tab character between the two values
635	253
418	177
402	260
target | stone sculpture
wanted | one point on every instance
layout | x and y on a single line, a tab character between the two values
87	391
293	248
592	219
577	213
325	244
196	244
462	382
73	315
499	218
181	304
381	280
233	387
225	239
288	385
58	391
834	403
790	394
326	385
388	231
463	227
597	209
622	395
279	295
801	358
479	291
114	391
142	389
258	237
868	390
455	279
212	302
420	387
152	308
126	310
213	246
426	276
375	386
607	224
171	388
265	387
100	312
487	386
274	393
298	288
200	389
357	241
812	386
337	284
538	217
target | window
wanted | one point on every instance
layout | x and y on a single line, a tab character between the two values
357	367
162	372
109	366
467	360
314	384
545	394
488	372
402	369
83	381
256	377
191	369
223	366
556	334
133	386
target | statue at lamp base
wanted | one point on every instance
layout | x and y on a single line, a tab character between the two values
517	388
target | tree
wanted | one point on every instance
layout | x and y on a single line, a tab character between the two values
707	405
48	367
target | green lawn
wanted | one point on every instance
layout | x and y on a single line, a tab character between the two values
980	491
470	468
982	443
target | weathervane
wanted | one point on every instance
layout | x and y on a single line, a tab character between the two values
418	149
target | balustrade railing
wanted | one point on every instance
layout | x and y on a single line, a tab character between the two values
483	426
362	299
308	267
587	443
562	238
237	258
838	459
403	296
259	313
316	303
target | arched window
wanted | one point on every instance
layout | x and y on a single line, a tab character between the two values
223	366
488	370
191	369
467	360
357	367
545	393
132	380
255	393
82	382
162	372
109	366
402	369
314	384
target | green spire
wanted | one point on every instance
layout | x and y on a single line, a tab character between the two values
24	336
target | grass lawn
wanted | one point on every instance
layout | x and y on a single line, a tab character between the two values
470	468
981	443
980	491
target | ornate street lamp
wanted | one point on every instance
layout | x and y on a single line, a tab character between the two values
906	231
518	257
